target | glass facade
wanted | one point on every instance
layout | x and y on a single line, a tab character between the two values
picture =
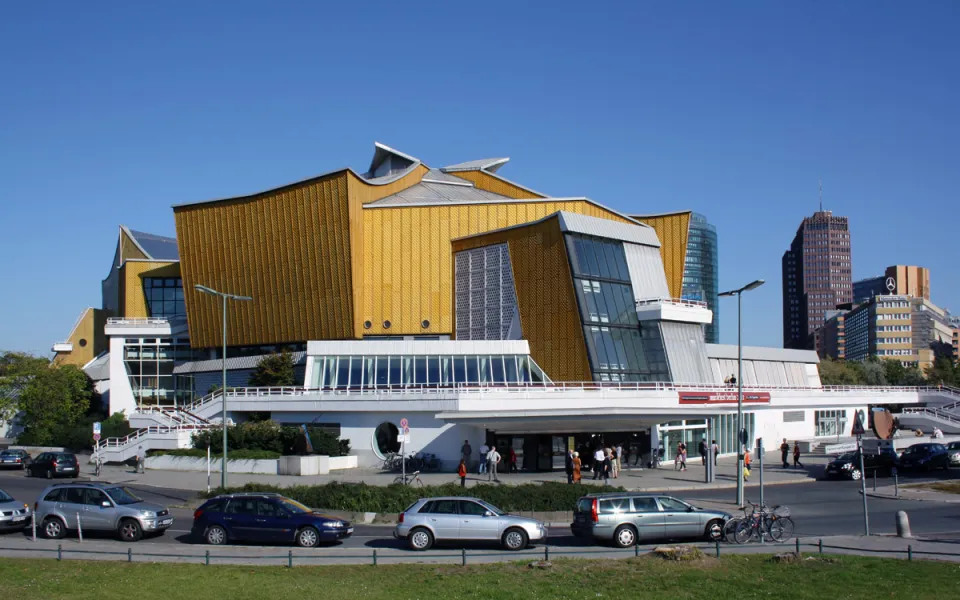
150	363
830	422
701	271
164	296
372	372
619	349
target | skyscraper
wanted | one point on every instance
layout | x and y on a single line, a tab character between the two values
816	276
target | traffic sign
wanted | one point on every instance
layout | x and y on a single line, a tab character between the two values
403	439
858	424
96	428
404	423
406	431
96	437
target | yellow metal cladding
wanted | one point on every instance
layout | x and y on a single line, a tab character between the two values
486	181
549	317
407	260
673	230
290	249
366	193
88	339
133	300
128	248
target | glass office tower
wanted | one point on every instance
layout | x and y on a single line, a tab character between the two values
700	271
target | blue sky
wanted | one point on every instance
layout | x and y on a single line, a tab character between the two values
112	112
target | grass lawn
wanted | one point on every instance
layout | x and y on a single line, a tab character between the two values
735	577
950	487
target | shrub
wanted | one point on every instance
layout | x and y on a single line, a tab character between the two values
231	455
273	437
360	497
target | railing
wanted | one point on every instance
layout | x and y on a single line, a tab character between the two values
932	412
138	321
138	435
672	302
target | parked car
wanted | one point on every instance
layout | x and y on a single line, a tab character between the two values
263	517
925	457
54	464
953	449
16	459
459	519
99	506
847	465
14	515
626	518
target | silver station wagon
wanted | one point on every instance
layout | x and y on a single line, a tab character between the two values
625	518
458	519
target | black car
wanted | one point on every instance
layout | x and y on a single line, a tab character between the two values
848	465
14	459
54	464
925	457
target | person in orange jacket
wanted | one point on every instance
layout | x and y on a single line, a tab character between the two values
746	464
462	472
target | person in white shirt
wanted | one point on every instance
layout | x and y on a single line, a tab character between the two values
618	460
493	459
598	457
484	450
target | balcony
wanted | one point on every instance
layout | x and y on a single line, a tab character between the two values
144	325
62	347
673	309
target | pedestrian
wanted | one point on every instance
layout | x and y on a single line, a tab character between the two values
568	466
605	466
746	464
620	458
462	472
784	450
513	461
703	451
716	451
683	457
576	467
466	452
493	459
796	455
484	450
598	464
614	468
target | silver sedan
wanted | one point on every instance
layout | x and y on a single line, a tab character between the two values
14	516
457	519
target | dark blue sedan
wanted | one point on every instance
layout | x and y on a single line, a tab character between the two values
268	518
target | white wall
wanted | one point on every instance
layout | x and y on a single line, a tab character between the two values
121	393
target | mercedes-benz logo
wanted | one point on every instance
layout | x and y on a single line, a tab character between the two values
891	284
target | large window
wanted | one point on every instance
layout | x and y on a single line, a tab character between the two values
372	372
150	363
830	422
164	296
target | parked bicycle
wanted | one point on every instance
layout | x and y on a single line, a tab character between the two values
409	479
762	524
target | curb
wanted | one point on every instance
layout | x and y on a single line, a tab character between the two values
731	486
941	500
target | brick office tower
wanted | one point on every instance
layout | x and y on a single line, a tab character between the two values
816	276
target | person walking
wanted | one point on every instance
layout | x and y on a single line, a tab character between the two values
796	455
484	450
716	451
568	466
598	464
466	452
746	464
577	465
620	458
462	472
614	470
513	461
493	459
703	451
683	457
784	451
605	466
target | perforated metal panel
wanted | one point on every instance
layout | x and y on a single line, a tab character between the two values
485	297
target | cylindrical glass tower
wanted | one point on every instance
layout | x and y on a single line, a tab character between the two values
701	269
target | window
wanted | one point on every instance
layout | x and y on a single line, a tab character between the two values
441	507
54	495
94	497
672	504
615	506
74	496
268	508
645	505
471	508
242	506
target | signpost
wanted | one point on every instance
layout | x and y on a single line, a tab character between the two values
96	444
858	431
403	437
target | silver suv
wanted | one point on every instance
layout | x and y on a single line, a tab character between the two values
624	518
457	519
98	506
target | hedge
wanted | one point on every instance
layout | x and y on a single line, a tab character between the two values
231	454
272	437
360	497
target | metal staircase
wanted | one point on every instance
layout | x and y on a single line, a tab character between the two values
121	449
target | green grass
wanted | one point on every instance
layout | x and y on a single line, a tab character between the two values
950	487
735	577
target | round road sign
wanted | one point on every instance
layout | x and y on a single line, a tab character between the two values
96	437
404	423
406	431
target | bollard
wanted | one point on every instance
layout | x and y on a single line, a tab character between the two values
546	552
896	483
718	547
903	524
79	530
463	557
33	525
636	550
129	554
374	557
820	546
59	551
797	540
909	552
207	558
874	480
290	558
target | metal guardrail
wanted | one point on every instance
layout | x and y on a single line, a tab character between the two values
672	302
290	559
138	321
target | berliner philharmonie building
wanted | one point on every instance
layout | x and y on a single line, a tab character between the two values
474	307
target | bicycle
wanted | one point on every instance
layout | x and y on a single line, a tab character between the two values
388	461
409	479
763	523
98	467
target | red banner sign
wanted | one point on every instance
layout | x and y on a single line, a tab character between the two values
723	397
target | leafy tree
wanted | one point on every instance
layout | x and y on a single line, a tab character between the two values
943	372
16	370
274	370
874	372
839	372
53	401
895	372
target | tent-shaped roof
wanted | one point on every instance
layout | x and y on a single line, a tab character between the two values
156	247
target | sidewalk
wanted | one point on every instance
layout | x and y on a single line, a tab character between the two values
634	479
912	492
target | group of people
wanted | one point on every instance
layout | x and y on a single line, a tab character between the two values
785	450
606	464
490	460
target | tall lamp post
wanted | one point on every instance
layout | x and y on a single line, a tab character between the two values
223	390
740	428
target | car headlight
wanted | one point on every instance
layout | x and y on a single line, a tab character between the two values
955	456
333	524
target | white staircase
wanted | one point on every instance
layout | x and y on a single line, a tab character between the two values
926	418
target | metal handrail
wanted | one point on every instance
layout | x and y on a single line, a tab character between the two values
936	413
673	301
118	442
138	321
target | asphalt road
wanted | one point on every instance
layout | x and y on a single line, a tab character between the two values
823	508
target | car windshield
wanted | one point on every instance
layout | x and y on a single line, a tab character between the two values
8	453
5	497
122	495
916	450
294	507
849	456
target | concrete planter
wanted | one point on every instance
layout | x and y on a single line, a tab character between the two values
189	463
315	465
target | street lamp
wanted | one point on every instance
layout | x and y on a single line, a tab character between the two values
740	428
223	390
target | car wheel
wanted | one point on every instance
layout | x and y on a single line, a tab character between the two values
856	475
420	539
53	528
308	537
515	539
130	530
714	531
216	536
625	536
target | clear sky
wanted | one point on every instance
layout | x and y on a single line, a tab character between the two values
112	112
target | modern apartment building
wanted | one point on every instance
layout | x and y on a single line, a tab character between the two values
816	276
897	279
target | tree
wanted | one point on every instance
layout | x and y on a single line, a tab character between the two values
874	372
839	372
895	372
53	401
16	370
943	372
274	370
